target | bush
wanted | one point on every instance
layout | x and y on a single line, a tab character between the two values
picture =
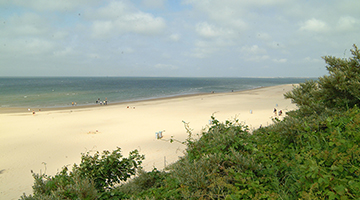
92	179
108	169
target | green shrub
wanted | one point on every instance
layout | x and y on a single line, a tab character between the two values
64	185
108	169
92	179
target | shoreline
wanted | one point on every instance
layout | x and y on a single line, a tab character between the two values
9	110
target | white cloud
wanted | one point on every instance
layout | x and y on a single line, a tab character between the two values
205	48
175	37
45	5
216	31
254	53
166	66
347	23
65	52
102	28
60	35
228	14
154	3
282	60
33	46
119	18
314	25
207	30
112	10
254	50
312	60
27	24
263	36
213	39
128	50
203	52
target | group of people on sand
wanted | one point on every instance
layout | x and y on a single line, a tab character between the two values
105	102
275	112
33	111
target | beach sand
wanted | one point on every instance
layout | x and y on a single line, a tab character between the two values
53	138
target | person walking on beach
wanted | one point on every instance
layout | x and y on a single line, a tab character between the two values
275	111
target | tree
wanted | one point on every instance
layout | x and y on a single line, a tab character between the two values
337	91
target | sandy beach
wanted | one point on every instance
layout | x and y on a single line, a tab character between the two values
53	138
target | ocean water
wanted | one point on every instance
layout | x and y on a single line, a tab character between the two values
45	92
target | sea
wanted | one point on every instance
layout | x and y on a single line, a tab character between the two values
53	92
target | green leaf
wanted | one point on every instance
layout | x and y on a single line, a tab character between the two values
331	195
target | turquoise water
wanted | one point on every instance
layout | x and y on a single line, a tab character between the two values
62	91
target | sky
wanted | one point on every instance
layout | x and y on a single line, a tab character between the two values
175	38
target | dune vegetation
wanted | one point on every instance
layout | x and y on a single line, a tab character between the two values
313	153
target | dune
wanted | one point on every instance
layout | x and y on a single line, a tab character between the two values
53	138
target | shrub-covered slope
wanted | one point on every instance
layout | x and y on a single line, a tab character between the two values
313	153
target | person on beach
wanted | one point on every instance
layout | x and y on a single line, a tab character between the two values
280	112
275	111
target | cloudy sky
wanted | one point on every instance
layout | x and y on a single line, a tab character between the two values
175	38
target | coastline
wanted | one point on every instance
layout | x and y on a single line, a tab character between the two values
56	137
8	110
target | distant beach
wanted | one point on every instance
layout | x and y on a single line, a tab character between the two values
54	137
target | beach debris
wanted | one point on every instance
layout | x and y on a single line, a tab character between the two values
158	135
93	132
